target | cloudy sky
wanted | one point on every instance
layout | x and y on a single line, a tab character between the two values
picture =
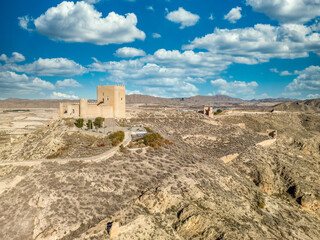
169	48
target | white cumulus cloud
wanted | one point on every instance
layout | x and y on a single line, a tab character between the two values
80	22
156	35
59	95
92	1
67	83
312	96
235	88
166	73
49	67
24	22
234	15
287	11
256	44
13	83
150	8
183	17
307	81
16	57
129	52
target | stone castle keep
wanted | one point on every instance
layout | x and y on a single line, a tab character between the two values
111	103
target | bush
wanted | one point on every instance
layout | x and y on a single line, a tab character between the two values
90	124
131	145
152	139
116	138
79	123
218	112
123	148
155	140
98	122
149	130
260	204
69	122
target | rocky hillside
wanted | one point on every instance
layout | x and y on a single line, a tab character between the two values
216	181
311	106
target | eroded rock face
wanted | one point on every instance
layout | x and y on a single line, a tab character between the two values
180	191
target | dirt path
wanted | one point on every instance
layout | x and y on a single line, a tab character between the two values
97	158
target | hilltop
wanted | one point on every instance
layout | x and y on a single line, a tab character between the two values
310	106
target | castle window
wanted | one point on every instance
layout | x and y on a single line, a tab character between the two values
103	94
108	99
72	110
121	99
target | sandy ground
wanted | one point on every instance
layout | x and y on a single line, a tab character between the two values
13	124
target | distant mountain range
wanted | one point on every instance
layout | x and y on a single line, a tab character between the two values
195	101
274	100
190	101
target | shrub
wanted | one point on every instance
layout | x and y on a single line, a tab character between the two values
153	144
152	139
115	142
149	130
260	204
69	123
218	112
131	145
116	138
166	141
89	124
123	148
98	122
79	123
155	140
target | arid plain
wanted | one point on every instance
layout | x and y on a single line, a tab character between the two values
220	178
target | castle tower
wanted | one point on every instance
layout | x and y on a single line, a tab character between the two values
83	107
114	96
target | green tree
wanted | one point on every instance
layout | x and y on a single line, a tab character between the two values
98	122
79	123
89	124
218	112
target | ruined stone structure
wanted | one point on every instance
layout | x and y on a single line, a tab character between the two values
111	103
208	111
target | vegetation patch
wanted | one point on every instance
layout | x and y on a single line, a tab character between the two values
16	110
90	124
116	138
149	130
98	122
79	145
155	140
218	112
69	122
261	204
79	122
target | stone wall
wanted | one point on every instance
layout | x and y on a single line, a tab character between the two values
111	103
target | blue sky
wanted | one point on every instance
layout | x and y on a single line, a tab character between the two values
168	48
